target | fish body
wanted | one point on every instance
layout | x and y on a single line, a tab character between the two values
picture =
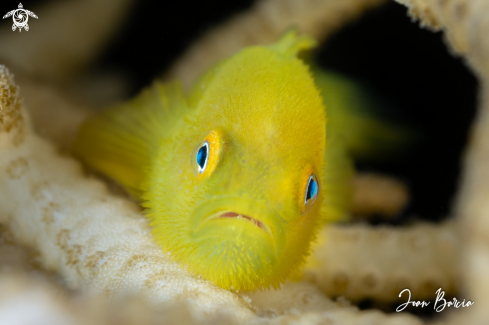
235	177
361	120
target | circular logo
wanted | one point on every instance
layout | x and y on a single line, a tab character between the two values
20	18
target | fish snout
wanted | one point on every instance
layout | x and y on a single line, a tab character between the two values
236	218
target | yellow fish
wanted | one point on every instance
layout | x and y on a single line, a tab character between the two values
237	176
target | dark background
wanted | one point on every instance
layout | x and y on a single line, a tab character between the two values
409	67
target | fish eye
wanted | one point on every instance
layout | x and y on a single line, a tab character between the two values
312	190
203	157
207	154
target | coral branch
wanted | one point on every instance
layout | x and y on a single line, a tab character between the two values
263	24
62	41
466	25
378	195
361	262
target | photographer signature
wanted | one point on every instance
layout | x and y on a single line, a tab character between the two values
439	305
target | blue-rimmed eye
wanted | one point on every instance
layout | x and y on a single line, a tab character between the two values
311	190
203	157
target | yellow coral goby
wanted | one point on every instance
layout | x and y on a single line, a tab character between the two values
235	177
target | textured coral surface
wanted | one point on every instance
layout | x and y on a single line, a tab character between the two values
80	247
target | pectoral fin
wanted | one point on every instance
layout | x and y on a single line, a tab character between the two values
121	141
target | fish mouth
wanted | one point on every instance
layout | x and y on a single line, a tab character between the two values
239	216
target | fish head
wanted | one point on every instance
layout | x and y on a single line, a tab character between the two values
237	197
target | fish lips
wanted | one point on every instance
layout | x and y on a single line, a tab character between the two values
232	218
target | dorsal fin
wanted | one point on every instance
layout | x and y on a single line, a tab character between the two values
121	141
291	43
